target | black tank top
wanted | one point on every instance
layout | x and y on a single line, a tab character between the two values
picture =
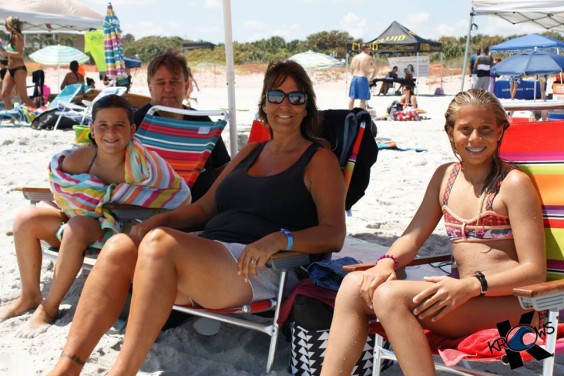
251	207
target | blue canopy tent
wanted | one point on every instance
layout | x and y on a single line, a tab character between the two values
528	42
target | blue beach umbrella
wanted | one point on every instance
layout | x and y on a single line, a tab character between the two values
113	46
530	64
314	60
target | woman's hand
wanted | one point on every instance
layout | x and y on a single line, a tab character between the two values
443	296
256	254
372	278
139	230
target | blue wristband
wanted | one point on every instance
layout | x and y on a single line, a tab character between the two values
289	238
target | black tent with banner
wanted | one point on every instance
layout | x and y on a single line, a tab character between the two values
399	39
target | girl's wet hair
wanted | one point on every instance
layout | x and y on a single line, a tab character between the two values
111	101
480	97
275	75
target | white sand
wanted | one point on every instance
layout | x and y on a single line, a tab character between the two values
397	185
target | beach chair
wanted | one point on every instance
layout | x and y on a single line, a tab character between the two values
70	109
537	150
355	146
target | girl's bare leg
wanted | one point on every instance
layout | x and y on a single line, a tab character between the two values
100	304
30	225
78	234
393	306
349	329
175	266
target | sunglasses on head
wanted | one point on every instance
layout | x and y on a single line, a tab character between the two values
294	97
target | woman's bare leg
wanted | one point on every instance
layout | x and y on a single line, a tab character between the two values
175	266
7	87
78	234
349	329
393	305
30	225
21	88
100	304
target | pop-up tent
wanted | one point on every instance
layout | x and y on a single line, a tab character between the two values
528	42
547	14
48	16
398	38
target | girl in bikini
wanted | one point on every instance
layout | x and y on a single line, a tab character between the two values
493	218
17	72
114	169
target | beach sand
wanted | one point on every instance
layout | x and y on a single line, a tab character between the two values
398	182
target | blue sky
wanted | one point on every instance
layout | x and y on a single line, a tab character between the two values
296	19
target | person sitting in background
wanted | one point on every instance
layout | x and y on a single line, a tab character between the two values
90	84
408	98
493	217
408	75
286	193
82	181
72	77
385	84
168	76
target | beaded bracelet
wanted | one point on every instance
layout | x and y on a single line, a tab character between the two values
394	258
289	238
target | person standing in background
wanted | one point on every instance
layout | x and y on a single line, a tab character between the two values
362	67
473	71
483	65
17	72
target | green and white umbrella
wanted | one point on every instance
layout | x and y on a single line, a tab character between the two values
314	60
58	55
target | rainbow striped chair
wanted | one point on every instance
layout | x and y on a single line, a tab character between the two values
537	149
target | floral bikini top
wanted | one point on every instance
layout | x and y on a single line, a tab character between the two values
486	227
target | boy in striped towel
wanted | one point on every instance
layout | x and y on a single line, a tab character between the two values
114	169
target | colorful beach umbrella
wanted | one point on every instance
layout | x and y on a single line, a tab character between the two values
58	55
314	60
113	46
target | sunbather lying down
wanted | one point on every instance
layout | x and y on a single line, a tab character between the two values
114	169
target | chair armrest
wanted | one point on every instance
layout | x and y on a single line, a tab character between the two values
414	262
36	194
132	212
541	296
288	259
540	289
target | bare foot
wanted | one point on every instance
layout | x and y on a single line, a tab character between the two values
38	323
17	307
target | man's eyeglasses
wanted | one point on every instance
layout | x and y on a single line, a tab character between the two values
295	97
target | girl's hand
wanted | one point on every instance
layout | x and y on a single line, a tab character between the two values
256	254
446	294
371	279
141	229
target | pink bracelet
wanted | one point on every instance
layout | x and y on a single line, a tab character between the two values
394	258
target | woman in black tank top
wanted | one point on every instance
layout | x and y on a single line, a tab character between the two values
286	193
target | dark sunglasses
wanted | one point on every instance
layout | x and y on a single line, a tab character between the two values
295	97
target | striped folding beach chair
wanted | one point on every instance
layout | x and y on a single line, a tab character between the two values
185	144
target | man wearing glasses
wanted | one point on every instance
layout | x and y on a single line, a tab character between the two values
362	66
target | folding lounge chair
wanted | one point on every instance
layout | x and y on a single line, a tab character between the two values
537	149
360	142
83	112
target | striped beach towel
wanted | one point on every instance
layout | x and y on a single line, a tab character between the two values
149	182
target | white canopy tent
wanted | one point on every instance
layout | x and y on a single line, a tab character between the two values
546	14
48	16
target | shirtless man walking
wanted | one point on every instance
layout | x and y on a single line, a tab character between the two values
362	65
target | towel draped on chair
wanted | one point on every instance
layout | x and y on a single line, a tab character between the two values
149	182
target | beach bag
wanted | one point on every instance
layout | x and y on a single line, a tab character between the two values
48	118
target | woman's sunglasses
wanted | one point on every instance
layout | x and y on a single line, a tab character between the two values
295	97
